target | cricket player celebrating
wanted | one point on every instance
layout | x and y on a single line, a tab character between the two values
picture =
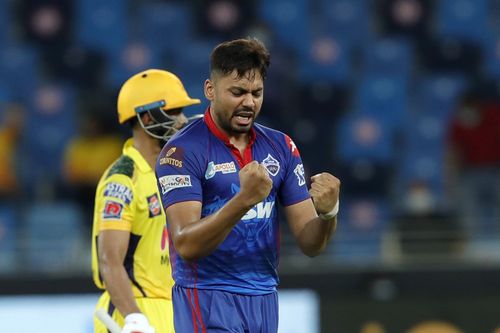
130	259
220	180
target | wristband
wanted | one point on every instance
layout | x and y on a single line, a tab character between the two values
330	215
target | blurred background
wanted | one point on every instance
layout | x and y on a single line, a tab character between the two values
398	98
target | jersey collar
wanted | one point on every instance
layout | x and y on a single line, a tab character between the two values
242	159
130	150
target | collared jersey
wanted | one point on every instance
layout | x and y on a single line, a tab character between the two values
127	199
200	164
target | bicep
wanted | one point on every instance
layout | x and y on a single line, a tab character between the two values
181	214
112	245
299	214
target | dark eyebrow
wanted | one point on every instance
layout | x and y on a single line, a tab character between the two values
241	89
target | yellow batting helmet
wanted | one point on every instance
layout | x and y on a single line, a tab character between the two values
152	88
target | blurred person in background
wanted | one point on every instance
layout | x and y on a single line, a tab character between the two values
473	164
130	259
87	156
10	135
220	179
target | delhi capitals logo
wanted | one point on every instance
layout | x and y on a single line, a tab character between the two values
272	165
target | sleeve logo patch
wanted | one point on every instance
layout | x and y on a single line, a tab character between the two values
112	210
174	156
119	191
272	165
170	182
299	172
154	205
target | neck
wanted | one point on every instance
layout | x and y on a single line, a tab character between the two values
239	140
147	146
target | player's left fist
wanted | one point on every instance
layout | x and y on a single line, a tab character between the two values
324	191
137	323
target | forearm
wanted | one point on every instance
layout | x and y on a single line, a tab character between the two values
315	235
200	238
119	288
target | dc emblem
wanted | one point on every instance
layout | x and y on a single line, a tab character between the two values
272	165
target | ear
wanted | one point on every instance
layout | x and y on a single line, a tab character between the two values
209	90
146	118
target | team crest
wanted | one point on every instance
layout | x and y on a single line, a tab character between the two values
154	205
272	165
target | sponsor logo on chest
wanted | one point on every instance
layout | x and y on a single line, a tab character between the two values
212	169
154	205
262	210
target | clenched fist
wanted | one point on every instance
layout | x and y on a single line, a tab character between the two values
325	190
255	183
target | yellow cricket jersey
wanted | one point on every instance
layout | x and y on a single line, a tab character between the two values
127	199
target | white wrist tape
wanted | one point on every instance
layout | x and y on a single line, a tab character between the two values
330	215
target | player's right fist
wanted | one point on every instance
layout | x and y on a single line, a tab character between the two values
255	183
137	323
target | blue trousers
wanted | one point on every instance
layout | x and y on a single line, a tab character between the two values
214	311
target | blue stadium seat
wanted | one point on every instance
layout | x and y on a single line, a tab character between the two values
365	137
8	239
388	56
425	166
101	25
165	26
192	64
465	19
426	132
53	236
51	123
491	63
438	93
347	18
192	60
5	18
325	59
384	97
288	19
132	58
19	67
362	224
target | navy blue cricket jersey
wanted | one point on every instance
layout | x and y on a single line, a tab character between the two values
200	164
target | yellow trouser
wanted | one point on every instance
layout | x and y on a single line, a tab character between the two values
159	312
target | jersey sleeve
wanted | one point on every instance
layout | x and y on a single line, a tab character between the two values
115	203
179	175
293	189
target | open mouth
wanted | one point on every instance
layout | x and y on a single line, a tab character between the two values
243	118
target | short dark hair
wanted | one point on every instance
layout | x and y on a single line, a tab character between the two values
242	55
